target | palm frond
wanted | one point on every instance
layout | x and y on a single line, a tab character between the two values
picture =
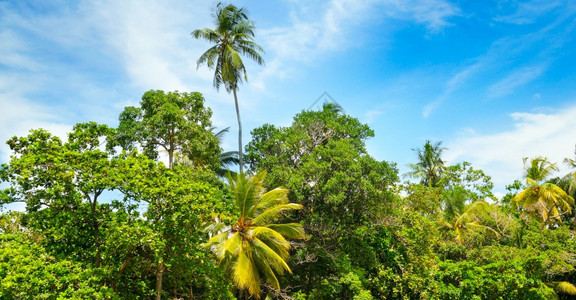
275	261
271	198
231	246
291	231
261	261
245	274
206	34
216	228
273	213
233	36
565	287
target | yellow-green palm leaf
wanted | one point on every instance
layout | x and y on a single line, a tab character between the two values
565	288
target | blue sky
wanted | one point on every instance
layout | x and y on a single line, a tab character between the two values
493	80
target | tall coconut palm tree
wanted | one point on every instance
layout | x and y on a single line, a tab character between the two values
544	201
232	37
430	165
254	249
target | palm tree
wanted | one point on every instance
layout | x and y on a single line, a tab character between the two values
539	168
232	37
544	201
568	182
454	201
468	221
254	249
226	158
430	166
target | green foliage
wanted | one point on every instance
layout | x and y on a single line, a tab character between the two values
538	168
233	36
321	158
178	202
518	279
469	220
451	250
367	237
27	271
476	182
423	199
61	184
169	122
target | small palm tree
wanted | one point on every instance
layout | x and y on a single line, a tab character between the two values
227	158
544	201
539	168
568	182
430	165
468	221
232	37
454	201
254	249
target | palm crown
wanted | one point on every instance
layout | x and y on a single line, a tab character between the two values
254	249
430	166
544	201
232	37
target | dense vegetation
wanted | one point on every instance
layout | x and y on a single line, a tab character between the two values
313	217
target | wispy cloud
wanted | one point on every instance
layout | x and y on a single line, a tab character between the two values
21	115
452	84
527	12
12	49
534	134
434	14
516	79
142	35
532	50
332	27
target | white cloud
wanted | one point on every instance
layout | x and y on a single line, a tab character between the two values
21	117
451	85
432	13
527	12
152	40
334	28
517	79
536	50
11	49
534	134
370	115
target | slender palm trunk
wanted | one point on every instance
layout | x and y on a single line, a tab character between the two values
239	132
